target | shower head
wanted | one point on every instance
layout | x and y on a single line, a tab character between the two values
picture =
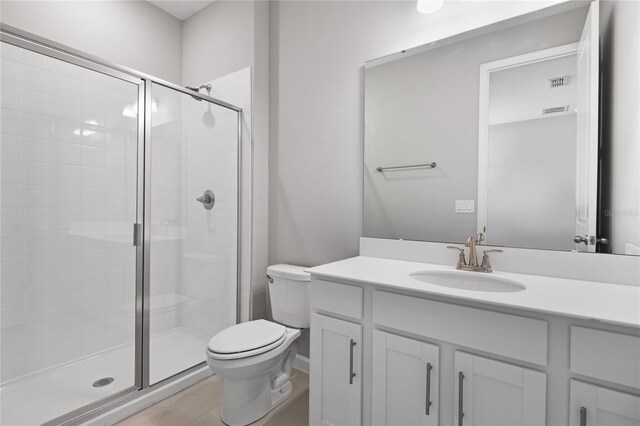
207	87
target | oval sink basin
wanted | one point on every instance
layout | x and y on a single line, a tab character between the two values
473	281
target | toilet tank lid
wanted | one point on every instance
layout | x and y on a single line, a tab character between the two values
290	272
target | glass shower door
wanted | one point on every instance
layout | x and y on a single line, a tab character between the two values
68	200
192	227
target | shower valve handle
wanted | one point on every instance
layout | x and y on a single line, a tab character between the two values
208	199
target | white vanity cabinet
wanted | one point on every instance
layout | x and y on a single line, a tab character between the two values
337	363
610	357
489	392
598	406
406	385
388	354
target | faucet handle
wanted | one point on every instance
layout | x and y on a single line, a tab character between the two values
486	265
480	238
461	259
492	251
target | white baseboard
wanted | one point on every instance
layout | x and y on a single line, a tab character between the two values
301	363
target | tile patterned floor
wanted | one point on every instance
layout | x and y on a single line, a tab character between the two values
199	405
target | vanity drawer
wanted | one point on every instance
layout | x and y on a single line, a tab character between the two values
606	355
341	299
493	332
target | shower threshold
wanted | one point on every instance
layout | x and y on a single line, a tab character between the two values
40	397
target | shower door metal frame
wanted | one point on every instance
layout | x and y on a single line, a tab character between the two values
68	54
41	45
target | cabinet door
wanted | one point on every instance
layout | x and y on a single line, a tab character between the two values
336	372
597	406
405	381
494	393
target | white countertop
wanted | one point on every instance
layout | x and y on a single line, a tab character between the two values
603	302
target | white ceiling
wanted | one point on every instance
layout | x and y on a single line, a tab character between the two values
521	92
181	9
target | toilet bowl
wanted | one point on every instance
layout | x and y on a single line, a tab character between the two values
253	359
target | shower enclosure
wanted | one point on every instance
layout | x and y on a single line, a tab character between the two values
119	228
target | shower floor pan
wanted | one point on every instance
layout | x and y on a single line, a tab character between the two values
40	397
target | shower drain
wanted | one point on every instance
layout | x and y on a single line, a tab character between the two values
103	382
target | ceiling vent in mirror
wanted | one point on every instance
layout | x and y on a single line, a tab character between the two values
558	82
555	110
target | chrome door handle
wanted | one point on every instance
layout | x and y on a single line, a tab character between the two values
137	234
208	199
428	397
351	373
583	416
589	240
578	239
460	409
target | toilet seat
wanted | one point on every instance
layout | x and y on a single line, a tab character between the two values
247	339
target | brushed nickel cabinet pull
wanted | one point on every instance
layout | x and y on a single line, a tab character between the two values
428	402
351	373
460	409
583	416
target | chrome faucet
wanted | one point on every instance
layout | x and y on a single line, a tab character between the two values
473	265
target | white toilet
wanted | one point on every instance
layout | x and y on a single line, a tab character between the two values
254	358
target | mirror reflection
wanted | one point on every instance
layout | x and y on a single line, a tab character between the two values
509	131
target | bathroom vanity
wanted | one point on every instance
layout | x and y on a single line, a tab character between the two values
391	348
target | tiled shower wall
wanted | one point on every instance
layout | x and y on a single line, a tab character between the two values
68	152
167	225
68	176
209	253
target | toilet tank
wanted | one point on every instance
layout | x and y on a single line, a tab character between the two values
289	294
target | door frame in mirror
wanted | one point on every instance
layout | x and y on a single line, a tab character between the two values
483	127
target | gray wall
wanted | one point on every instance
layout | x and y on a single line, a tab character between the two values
217	40
425	108
130	33
620	38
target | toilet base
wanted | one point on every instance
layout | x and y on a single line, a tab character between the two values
245	402
281	395
255	385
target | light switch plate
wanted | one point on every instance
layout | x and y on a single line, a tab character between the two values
465	206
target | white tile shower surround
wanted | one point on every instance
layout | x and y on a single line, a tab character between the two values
49	393
235	88
67	203
65	145
195	148
209	253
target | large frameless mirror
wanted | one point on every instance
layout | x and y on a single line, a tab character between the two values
521	131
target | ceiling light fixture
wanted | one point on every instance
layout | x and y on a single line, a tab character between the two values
429	6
